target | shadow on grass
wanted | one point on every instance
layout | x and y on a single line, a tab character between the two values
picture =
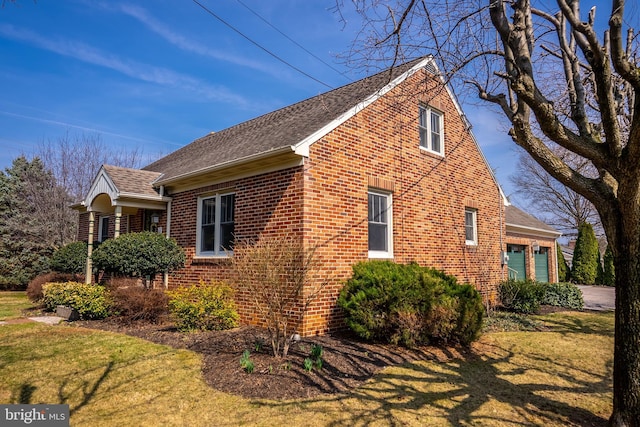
477	388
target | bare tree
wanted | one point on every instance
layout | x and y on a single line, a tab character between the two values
555	203
558	78
75	160
282	278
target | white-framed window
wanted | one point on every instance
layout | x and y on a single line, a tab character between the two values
431	130
103	228
380	225
214	235
471	226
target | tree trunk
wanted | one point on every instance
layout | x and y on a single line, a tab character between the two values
626	361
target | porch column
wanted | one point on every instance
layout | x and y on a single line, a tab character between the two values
89	270
116	232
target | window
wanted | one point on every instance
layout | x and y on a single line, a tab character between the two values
380	226
215	225
470	226
103	228
431	127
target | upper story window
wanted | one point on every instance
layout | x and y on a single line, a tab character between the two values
431	130
470	226
215	225
380	225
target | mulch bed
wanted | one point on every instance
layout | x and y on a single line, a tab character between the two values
347	361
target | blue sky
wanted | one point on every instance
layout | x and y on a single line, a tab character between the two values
156	75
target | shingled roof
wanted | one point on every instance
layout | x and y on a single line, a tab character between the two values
518	218
275	131
133	181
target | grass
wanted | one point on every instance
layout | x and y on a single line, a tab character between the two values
12	303
561	376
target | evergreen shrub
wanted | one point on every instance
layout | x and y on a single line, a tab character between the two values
565	295
91	301
138	255
71	258
203	307
410	305
522	296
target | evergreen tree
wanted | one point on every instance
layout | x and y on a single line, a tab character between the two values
609	276
563	268
599	271
584	269
28	228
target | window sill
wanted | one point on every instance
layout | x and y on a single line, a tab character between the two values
380	255
431	152
210	259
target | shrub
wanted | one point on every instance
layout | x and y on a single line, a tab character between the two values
283	278
138	255
526	296
91	301
522	296
71	258
34	289
564	272
584	266
139	304
203	307
563	295
609	274
410	305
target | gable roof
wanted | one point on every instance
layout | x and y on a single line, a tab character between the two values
133	181
523	222
289	129
124	187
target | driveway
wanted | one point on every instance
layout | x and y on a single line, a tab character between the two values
601	298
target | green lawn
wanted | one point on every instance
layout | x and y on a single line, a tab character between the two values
12	304
558	377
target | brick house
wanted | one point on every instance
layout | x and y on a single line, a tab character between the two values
383	168
531	247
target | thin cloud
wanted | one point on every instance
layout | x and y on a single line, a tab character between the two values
83	128
184	43
86	53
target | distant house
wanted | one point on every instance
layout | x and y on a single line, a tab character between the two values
383	168
531	247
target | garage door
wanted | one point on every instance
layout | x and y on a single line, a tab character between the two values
542	265
516	263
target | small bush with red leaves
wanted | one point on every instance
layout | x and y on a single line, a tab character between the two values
132	304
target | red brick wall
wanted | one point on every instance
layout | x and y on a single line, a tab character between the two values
266	204
379	147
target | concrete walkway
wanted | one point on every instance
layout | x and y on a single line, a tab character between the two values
601	298
49	320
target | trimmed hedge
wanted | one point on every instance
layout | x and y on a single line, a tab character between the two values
138	255
91	301
203	307
410	305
